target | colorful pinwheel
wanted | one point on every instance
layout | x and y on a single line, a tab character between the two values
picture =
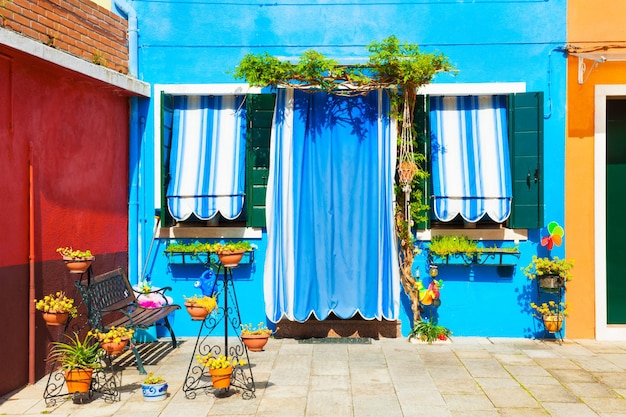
555	236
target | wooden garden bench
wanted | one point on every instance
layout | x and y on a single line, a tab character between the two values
111	301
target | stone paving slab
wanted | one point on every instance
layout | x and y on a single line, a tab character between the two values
390	377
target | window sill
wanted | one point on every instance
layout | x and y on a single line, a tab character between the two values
209	233
516	235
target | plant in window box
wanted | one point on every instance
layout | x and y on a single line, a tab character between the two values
200	306
551	274
231	253
443	246
552	313
56	308
154	388
220	368
77	261
255	338
115	340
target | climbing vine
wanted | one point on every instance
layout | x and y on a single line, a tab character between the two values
400	69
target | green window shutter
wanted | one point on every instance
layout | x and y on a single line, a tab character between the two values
422	141
167	121
259	113
526	144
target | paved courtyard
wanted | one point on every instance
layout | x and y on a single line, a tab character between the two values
388	377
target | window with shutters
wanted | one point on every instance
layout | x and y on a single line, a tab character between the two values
485	160
214	158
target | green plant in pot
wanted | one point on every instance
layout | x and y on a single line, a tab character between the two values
78	359
429	332
551	274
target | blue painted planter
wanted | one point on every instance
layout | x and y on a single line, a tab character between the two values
154	392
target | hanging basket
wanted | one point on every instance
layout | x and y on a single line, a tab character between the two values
407	171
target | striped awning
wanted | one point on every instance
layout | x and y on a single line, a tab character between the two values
470	158
207	165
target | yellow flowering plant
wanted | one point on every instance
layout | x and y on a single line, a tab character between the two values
69	252
219	362
260	329
57	303
115	334
153	379
550	308
209	303
539	267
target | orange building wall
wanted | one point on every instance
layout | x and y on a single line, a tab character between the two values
590	24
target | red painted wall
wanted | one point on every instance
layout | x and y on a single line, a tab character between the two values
76	130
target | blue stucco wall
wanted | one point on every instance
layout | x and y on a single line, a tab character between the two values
196	42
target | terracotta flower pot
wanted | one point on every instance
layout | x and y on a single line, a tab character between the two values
55	319
114	348
407	171
553	323
78	380
78	266
196	312
221	377
230	259
255	342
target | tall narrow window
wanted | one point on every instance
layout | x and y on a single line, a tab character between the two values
470	158
207	165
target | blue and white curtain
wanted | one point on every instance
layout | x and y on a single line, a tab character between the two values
331	239
207	164
470	158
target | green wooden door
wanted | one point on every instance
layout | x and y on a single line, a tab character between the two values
615	209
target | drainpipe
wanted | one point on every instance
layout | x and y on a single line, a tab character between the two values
134	144
31	266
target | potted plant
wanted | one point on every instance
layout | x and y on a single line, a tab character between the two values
551	274
255	338
56	308
220	368
78	359
199	306
552	314
115	340
429	332
154	388
231	253
77	261
407	170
